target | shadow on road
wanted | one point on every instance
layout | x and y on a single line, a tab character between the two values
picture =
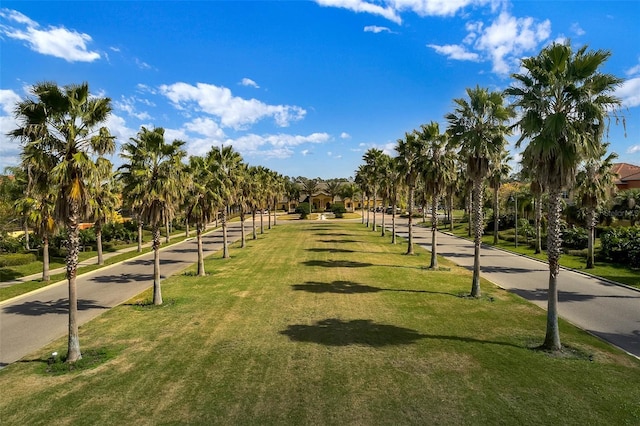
122	278
60	306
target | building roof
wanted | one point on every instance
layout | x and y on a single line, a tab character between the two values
626	172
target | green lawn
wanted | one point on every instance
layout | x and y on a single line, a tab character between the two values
326	323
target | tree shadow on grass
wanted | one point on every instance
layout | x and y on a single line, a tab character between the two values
7	274
336	332
339	241
330	250
333	234
350	287
60	306
336	263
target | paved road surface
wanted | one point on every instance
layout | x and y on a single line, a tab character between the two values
609	311
29	322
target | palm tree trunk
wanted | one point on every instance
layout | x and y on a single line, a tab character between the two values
167	237
393	225
450	211
73	247
538	202
139	236
496	216
375	199
368	208
362	209
275	206
242	233
410	240
225	242
201	272
476	206
253	221
25	227
591	224
261	223
383	233
434	233
157	291
268	219
45	257
186	228
554	241
469	213
99	243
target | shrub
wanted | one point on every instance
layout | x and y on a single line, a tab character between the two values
15	259
10	244
575	238
338	210
303	210
622	245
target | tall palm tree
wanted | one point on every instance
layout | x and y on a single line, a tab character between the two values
227	164
157	168
385	178
67	123
594	187
362	179
333	188
499	171
348	191
104	201
410	154
292	191
478	127
565	101
309	187
374	160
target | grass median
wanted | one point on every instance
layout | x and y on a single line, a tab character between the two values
327	323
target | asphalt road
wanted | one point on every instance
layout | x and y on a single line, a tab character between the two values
607	310
29	322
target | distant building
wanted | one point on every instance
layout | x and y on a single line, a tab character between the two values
628	176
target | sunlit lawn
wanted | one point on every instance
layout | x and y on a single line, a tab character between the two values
326	323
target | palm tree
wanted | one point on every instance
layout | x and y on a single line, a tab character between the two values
309	187
374	160
348	191
438	171
478	127
410	153
565	101
333	188
363	181
104	201
65	122
595	186
292	191
227	164
157	168
499	171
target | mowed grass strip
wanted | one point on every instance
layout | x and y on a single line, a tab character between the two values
327	323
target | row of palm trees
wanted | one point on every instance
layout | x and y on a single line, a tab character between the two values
67	180
561	104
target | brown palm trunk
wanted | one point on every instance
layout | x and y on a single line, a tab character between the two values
410	239
99	243
73	247
242	235
554	241
45	257
591	224
225	242
201	272
253	226
393	224
362	209
139	236
434	233
157	290
496	216
476	207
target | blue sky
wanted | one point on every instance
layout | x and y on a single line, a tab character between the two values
301	87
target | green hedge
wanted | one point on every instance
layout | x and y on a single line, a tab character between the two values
15	259
622	245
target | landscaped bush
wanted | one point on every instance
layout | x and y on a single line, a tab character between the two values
116	231
622	245
338	210
303	210
15	259
10	244
575	238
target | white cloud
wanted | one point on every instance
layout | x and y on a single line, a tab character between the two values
629	92
128	105
455	51
577	30
376	29
143	65
304	152
633	70
60	42
273	146
9	147
633	149
233	111
249	83
345	135
436	7
206	127
361	6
